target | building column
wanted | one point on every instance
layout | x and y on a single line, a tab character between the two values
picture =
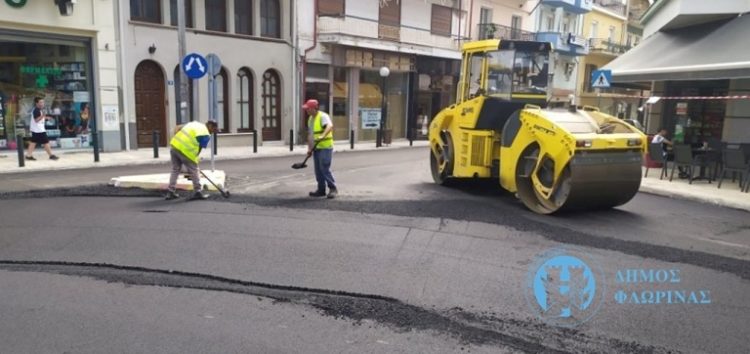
737	117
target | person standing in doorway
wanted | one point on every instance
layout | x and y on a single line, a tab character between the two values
38	131
320	147
185	148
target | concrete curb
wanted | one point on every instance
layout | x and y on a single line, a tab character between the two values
696	197
147	159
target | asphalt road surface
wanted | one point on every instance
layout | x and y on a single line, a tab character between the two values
395	264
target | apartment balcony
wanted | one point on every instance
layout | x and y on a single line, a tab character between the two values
572	6
495	31
614	6
347	30
565	43
606	47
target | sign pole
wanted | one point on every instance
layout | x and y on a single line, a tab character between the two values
182	119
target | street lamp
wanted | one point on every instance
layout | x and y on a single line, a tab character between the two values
384	72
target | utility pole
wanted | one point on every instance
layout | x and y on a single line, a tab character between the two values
183	118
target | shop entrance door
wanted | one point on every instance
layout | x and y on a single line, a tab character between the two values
149	104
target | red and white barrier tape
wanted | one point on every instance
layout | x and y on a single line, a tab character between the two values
735	97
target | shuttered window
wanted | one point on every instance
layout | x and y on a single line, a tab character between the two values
441	20
331	7
390	13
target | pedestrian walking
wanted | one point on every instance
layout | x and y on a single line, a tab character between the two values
185	148
320	147
38	130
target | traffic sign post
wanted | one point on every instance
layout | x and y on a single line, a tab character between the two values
601	79
195	66
213	64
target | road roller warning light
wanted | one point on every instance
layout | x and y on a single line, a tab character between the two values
501	128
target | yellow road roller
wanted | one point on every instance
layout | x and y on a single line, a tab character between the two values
553	159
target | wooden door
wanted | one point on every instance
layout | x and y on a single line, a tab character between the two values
271	106
150	110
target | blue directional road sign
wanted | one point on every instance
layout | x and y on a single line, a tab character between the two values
601	78
195	66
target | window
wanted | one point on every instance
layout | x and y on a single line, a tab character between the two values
594	30
243	17
441	20
270	19
188	12
515	25
551	23
389	20
145	10
472	87
216	15
245	100
222	112
331	7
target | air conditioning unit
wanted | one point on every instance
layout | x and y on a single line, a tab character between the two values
65	6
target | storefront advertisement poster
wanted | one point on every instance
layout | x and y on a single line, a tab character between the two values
370	118
111	117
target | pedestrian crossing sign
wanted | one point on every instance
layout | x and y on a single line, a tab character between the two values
601	78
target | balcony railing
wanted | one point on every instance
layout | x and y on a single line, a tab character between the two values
615	6
604	45
494	31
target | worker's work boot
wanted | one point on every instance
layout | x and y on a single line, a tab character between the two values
199	196
318	194
171	195
333	193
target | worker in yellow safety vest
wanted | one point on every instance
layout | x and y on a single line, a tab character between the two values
320	147
185	148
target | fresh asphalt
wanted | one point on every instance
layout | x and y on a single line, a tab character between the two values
395	264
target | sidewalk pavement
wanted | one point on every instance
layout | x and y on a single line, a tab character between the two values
78	159
729	195
701	191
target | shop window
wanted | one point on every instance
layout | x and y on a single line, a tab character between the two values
188	13
441	20
270	19
145	10
222	114
243	17
331	7
216	15
189	111
271	106
245	100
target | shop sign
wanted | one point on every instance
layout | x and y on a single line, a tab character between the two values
682	108
16	3
41	71
111	119
370	118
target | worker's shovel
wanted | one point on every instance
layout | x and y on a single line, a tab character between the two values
303	164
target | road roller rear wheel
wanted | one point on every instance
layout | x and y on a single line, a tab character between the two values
442	164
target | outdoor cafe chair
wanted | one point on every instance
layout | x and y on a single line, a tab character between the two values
656	154
733	161
683	157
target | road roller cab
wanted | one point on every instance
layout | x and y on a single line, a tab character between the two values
553	159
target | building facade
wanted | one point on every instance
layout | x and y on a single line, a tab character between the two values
66	53
560	22
256	82
699	77
610	32
347	42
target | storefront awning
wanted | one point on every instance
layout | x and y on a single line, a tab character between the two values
716	50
